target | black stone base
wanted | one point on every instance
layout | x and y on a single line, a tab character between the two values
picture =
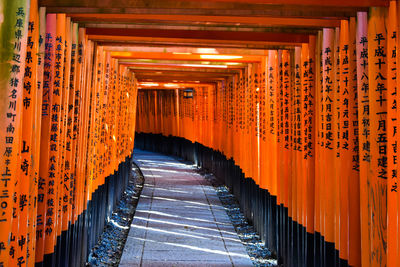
73	246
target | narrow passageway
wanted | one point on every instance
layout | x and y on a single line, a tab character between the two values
291	106
179	220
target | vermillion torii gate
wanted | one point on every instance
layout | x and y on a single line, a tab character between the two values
293	103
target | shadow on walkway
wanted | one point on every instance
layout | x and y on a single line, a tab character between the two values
179	220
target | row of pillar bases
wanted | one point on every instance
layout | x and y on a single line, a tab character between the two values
288	240
74	245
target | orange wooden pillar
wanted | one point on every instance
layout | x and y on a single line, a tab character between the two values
296	165
65	145
345	140
354	236
72	123
348	161
376	183
86	58
285	131
248	157
319	148
308	146
263	125
284	159
36	138
280	153
255	124
48	79
13	33
398	120
271	92
26	175
279	126
51	222
327	154
77	123
364	131
291	152
87	160
276	202
392	141
272	145
336	140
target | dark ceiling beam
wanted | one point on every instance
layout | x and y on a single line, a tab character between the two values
197	19
153	4
344	3
231	28
202	35
193	44
203	9
209	4
243	44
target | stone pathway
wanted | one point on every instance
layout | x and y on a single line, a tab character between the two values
179	220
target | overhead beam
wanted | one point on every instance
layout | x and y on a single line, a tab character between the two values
186	57
181	79
234	20
178	65
179	74
166	26
104	40
188	71
190	44
353	3
183	50
209	4
200	35
154	4
182	85
283	11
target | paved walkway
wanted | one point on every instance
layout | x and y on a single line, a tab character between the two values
179	220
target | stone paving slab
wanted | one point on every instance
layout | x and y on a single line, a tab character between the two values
179	220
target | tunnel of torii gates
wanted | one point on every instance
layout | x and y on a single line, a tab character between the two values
292	103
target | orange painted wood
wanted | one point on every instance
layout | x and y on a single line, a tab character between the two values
25	197
53	169
309	140
14	34
392	141
354	242
297	155
336	135
286	114
36	141
319	121
364	130
48	80
377	180
328	155
72	131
